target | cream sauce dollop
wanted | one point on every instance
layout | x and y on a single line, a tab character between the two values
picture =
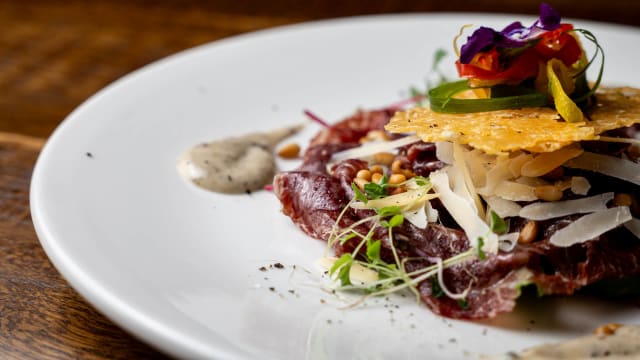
236	164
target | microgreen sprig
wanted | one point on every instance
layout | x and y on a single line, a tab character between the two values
391	277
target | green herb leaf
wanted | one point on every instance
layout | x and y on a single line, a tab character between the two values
421	180
442	100
345	258
481	254
343	267
497	224
436	289
463	303
373	251
389	211
347	238
343	274
359	195
396	220
375	191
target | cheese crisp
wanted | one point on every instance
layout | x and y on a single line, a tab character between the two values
530	129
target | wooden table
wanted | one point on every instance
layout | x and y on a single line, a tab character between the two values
53	56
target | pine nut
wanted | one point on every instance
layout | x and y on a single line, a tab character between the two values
376	177
622	199
396	179
364	174
396	167
408	173
608	329
376	169
528	233
548	193
360	183
289	151
383	158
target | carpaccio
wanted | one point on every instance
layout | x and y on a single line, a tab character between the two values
313	198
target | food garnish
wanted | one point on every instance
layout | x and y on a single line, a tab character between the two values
523	67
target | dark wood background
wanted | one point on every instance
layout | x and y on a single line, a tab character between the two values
55	54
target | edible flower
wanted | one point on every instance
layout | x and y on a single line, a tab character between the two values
515	35
540	65
510	56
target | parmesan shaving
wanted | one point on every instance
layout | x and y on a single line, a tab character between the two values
550	210
417	217
444	152
467	185
609	165
464	213
508	241
590	226
432	214
516	163
497	175
511	190
545	162
479	163
370	148
502	207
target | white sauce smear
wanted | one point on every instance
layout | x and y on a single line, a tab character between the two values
234	165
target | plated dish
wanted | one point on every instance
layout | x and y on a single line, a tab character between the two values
209	275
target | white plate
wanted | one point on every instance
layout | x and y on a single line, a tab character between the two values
179	267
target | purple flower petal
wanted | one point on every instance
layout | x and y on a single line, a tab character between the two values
512	36
480	39
549	17
514	27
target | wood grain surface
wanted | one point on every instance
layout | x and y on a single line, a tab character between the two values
55	54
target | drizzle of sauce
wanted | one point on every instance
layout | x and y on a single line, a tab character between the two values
623	344
234	165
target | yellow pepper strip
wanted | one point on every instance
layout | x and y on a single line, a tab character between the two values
560	83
